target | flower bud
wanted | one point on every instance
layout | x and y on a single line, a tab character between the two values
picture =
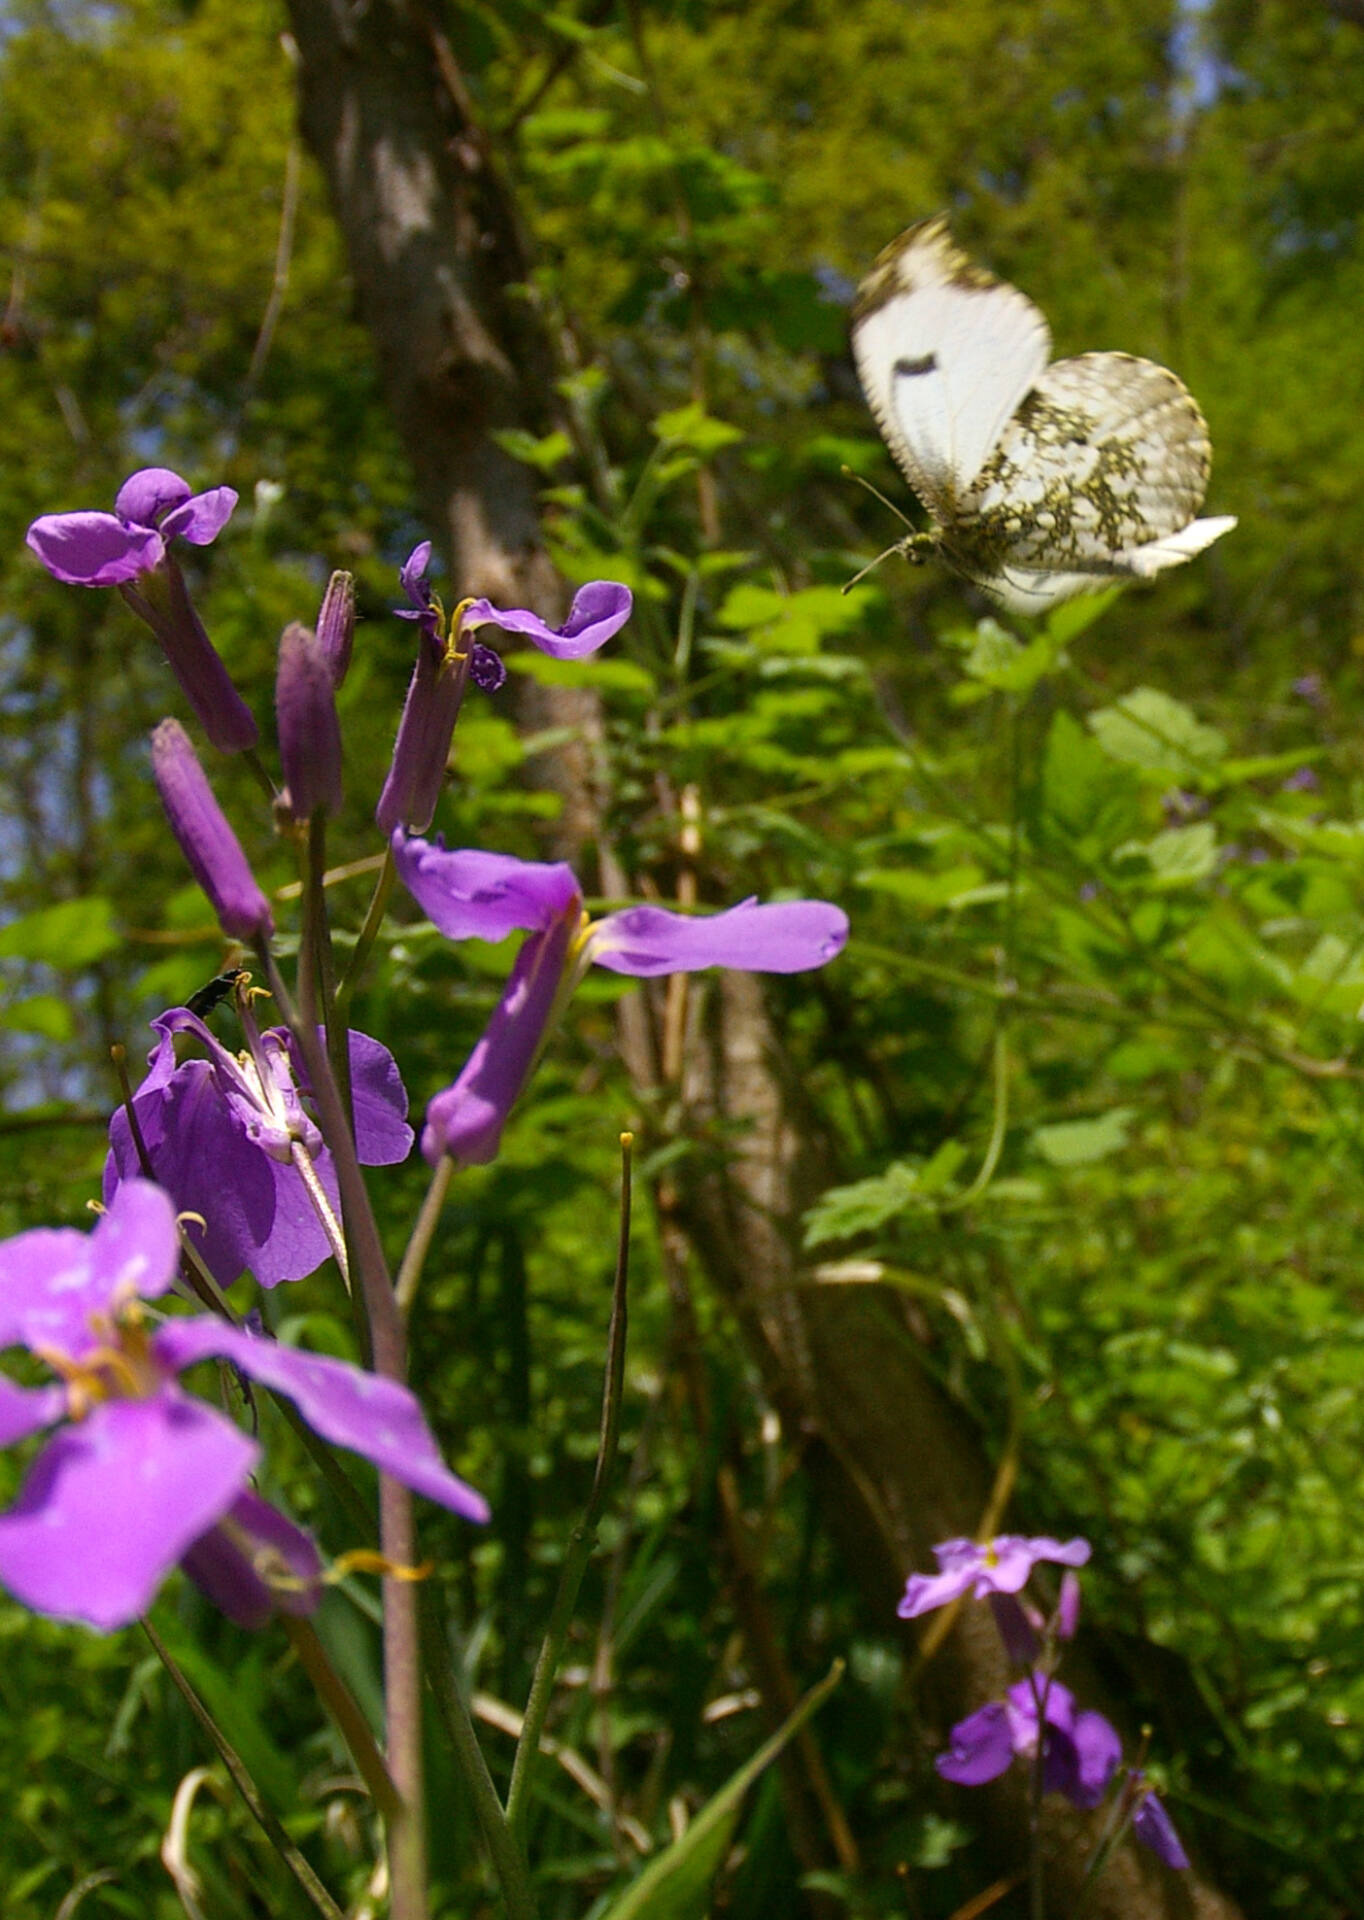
309	731
336	624
1068	1605
206	840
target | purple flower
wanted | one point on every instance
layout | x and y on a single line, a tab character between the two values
1155	1829
599	611
224	1137
206	839
1000	1566
489	895
91	549
1302	780
445	660
1081	1749
143	1472
309	731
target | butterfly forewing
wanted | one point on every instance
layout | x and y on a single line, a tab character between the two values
945	353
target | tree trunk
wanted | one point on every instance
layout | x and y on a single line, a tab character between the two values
434	243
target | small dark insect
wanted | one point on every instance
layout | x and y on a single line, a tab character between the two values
207	998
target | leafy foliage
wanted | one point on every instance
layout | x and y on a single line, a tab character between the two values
1123	859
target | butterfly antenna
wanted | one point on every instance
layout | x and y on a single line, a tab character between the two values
872	565
877	494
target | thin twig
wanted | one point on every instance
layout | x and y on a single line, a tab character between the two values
583	1538
244	1784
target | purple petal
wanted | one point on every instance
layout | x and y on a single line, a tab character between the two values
958	1563
54	1280
147	494
255	1563
466	1120
1012	1556
982	1747
378	1098
112	1503
370	1415
206	840
412	576
202	517
256	1210
93	549
1155	1829
484	896
788	937
1098	1751
599	610
24	1410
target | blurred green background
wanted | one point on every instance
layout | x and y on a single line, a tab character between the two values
1125	853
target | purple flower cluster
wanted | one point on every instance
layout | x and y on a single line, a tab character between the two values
218	1159
1081	1752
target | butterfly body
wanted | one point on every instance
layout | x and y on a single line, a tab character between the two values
1042	481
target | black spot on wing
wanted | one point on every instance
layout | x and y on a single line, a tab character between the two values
926	363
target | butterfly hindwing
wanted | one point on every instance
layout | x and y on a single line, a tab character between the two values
1044	481
1106	454
945	353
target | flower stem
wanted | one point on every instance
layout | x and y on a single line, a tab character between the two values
414	1259
369	933
584	1536
340	1703
245	1785
402	1663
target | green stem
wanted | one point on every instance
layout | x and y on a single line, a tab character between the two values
584	1536
340	1703
245	1786
452	1709
414	1258
369	933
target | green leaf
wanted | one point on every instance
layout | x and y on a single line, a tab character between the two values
999	663
41	1013
866	1204
70	936
1074	617
1161	736
1179	857
1092	803
789	622
676	1885
544	454
692	427
1079	1143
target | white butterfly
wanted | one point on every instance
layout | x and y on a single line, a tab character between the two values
1043	481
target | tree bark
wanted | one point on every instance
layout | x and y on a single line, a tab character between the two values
434	243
